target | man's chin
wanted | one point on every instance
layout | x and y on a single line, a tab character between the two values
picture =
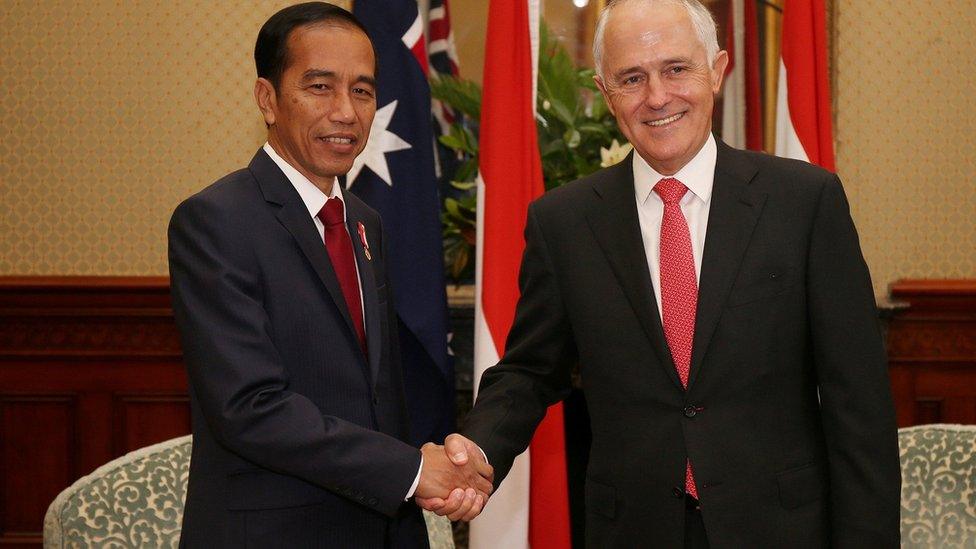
333	169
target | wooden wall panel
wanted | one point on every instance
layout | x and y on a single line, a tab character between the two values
932	351
90	368
38	438
142	419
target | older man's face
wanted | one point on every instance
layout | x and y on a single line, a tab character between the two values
658	83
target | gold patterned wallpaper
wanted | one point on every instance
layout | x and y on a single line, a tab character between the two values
906	133
114	111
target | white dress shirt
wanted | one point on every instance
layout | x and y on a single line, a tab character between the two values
698	175
314	200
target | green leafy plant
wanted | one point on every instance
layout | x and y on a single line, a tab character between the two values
577	135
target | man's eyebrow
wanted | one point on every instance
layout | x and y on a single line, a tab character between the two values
638	68
628	70
363	79
312	74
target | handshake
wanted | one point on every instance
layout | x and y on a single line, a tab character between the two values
455	480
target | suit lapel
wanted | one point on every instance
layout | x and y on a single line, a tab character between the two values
367	279
615	225
732	216
293	215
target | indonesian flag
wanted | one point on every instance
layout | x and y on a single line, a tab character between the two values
803	119
531	508
742	97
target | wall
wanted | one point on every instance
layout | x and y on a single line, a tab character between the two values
906	134
115	111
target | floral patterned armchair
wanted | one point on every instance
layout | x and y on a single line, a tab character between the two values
137	501
938	492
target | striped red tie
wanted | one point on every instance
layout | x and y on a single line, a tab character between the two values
679	287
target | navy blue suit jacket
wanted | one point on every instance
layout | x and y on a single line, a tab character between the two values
298	437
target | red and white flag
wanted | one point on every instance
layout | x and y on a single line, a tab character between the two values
443	57
803	119
531	508
742	126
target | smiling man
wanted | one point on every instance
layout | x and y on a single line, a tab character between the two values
286	317
722	317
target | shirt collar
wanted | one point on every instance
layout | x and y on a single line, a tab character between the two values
312	196
698	174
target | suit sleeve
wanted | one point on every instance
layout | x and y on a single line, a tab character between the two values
857	410
240	383
534	372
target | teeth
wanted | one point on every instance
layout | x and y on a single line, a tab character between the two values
340	140
667	120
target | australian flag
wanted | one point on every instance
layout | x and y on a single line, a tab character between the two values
395	175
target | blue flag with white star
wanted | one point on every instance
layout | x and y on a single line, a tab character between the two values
395	175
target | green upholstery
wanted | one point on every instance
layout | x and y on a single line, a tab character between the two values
137	501
938	493
133	501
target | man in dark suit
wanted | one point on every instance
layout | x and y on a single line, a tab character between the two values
722	317
282	299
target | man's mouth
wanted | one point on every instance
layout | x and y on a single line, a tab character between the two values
665	121
338	140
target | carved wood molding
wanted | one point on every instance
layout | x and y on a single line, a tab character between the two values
68	316
932	341
938	324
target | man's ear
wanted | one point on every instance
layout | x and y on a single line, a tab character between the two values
267	100
603	91
718	70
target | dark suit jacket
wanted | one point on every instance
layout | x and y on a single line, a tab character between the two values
785	309
298	438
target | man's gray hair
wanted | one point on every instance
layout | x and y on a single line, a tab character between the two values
701	20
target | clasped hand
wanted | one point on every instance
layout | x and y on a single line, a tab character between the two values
455	480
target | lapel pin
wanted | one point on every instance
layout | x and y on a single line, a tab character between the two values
362	237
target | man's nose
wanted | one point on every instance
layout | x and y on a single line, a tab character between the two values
342	109
657	94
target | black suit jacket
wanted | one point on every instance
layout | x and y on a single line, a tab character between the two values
787	420
298	438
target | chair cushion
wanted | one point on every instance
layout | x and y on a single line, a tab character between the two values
133	501
938	494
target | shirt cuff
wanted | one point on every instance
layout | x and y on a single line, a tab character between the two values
416	481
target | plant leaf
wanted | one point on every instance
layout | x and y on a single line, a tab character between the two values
463	95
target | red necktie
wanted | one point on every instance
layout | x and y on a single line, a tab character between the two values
339	246
679	287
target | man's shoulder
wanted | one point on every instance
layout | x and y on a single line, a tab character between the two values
767	165
579	191
233	196
231	187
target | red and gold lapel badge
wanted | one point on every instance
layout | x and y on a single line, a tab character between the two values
362	237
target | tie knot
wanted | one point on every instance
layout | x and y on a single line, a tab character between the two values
670	190
331	213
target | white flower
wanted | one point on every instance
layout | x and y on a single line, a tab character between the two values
616	153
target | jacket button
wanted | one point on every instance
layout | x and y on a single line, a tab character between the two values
678	492
691	411
372	502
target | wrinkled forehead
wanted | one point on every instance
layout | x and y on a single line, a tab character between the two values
648	35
